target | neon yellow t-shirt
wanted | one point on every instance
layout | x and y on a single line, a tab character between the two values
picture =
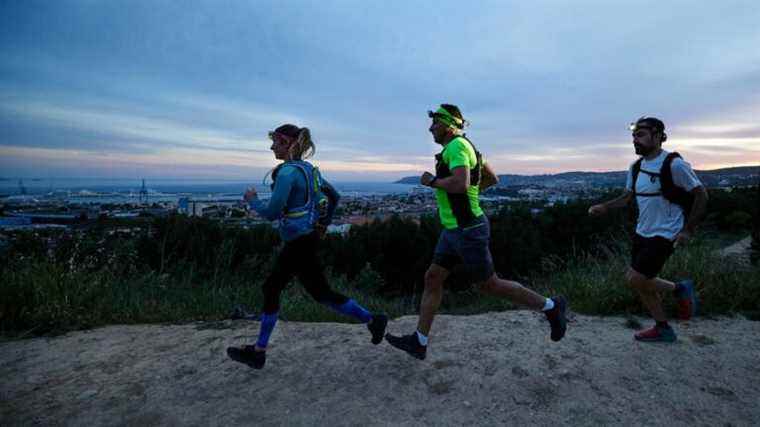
457	210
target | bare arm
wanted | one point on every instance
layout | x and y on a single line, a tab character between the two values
698	210
456	183
332	199
618	202
488	177
684	177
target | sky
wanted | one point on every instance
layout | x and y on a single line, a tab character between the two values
189	89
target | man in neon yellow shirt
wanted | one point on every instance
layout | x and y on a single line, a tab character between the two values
460	174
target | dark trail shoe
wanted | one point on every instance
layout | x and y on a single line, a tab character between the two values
409	344
656	334
377	327
557	319
247	355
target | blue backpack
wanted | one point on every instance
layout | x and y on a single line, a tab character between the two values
303	220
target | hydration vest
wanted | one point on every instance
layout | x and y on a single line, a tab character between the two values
668	189
302	220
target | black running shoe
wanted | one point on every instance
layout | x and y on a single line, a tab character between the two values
409	344
377	327
247	355
557	319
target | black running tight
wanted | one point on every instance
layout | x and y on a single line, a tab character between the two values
299	258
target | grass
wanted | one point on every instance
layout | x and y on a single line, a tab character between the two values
44	298
41	297
597	286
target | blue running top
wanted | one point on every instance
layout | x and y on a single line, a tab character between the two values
292	196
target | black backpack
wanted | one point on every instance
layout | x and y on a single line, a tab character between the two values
671	192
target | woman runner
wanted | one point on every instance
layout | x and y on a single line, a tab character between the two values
304	204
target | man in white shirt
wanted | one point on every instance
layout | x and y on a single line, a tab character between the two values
671	201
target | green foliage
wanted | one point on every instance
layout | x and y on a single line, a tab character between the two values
43	297
724	204
179	268
598	287
399	249
368	280
46	298
738	220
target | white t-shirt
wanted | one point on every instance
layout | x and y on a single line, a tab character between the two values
657	216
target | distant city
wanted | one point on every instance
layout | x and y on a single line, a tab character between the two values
47	204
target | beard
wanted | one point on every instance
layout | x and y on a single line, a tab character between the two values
642	150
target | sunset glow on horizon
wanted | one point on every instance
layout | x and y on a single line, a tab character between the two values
119	89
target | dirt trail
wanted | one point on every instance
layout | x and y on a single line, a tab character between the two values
739	252
496	368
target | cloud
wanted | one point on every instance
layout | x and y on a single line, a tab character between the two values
159	132
54	162
201	84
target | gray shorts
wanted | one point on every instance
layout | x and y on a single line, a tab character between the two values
468	246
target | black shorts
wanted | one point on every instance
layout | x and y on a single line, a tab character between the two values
648	254
468	246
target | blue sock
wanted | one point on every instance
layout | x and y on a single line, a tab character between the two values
353	309
267	326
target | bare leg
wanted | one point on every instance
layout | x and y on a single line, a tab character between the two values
431	297
664	285
514	291
650	292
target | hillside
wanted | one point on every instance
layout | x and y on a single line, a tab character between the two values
746	175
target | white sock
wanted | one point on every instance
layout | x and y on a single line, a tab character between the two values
422	339
548	305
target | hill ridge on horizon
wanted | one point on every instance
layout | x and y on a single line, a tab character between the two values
745	172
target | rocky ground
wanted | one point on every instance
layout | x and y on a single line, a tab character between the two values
489	369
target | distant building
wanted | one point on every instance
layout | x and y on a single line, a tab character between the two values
183	205
14	221
208	208
338	229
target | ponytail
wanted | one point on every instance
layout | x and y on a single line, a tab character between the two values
303	147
